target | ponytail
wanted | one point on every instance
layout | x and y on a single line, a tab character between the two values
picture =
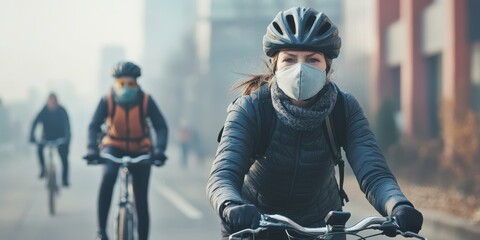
257	80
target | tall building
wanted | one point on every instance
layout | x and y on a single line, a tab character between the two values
167	25
110	56
357	48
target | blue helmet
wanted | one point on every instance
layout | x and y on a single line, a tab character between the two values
126	69
302	28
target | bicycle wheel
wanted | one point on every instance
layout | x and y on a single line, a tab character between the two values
125	226
52	190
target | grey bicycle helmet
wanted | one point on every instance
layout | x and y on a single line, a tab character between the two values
302	28
126	69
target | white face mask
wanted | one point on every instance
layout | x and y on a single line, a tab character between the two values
301	81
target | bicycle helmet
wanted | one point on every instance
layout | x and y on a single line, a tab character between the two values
302	28
126	69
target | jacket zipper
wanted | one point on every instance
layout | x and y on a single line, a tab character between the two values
297	160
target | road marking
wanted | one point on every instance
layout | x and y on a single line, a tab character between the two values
179	202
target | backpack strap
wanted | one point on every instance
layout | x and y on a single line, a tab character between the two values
143	108
111	106
267	118
340	118
336	138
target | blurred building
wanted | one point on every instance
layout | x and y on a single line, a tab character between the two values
110	56
426	59
229	47
357	49
166	55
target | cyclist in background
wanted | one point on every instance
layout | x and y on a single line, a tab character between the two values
56	124
124	111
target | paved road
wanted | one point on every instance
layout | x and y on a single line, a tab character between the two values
178	205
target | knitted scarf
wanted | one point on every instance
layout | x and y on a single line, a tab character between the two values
300	118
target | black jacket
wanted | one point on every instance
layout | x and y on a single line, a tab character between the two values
55	124
296	177
153	113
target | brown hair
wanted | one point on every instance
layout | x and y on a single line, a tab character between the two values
257	80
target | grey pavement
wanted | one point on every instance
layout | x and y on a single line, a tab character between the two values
178	205
23	202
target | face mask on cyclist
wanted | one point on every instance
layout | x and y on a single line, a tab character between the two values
125	94
301	81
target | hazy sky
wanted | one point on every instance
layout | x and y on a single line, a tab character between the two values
51	41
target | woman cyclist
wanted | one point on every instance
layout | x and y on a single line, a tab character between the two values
295	175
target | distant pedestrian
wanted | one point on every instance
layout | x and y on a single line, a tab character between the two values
185	141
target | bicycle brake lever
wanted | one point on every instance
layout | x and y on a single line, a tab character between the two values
389	224
389	228
411	234
244	231
267	221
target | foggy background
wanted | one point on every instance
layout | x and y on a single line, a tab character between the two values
191	53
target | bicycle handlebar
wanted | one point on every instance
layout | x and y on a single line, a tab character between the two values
282	222
125	159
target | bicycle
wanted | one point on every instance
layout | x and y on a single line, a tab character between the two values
125	227
52	185
335	225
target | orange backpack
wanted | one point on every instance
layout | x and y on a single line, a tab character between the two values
127	128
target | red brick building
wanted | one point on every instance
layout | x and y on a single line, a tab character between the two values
427	61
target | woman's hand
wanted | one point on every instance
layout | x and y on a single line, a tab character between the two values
408	218
239	217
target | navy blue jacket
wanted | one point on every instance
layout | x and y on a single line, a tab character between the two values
55	124
296	177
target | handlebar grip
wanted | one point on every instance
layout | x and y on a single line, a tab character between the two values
95	162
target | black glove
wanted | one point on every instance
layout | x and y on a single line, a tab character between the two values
239	217
408	218
158	158
92	157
